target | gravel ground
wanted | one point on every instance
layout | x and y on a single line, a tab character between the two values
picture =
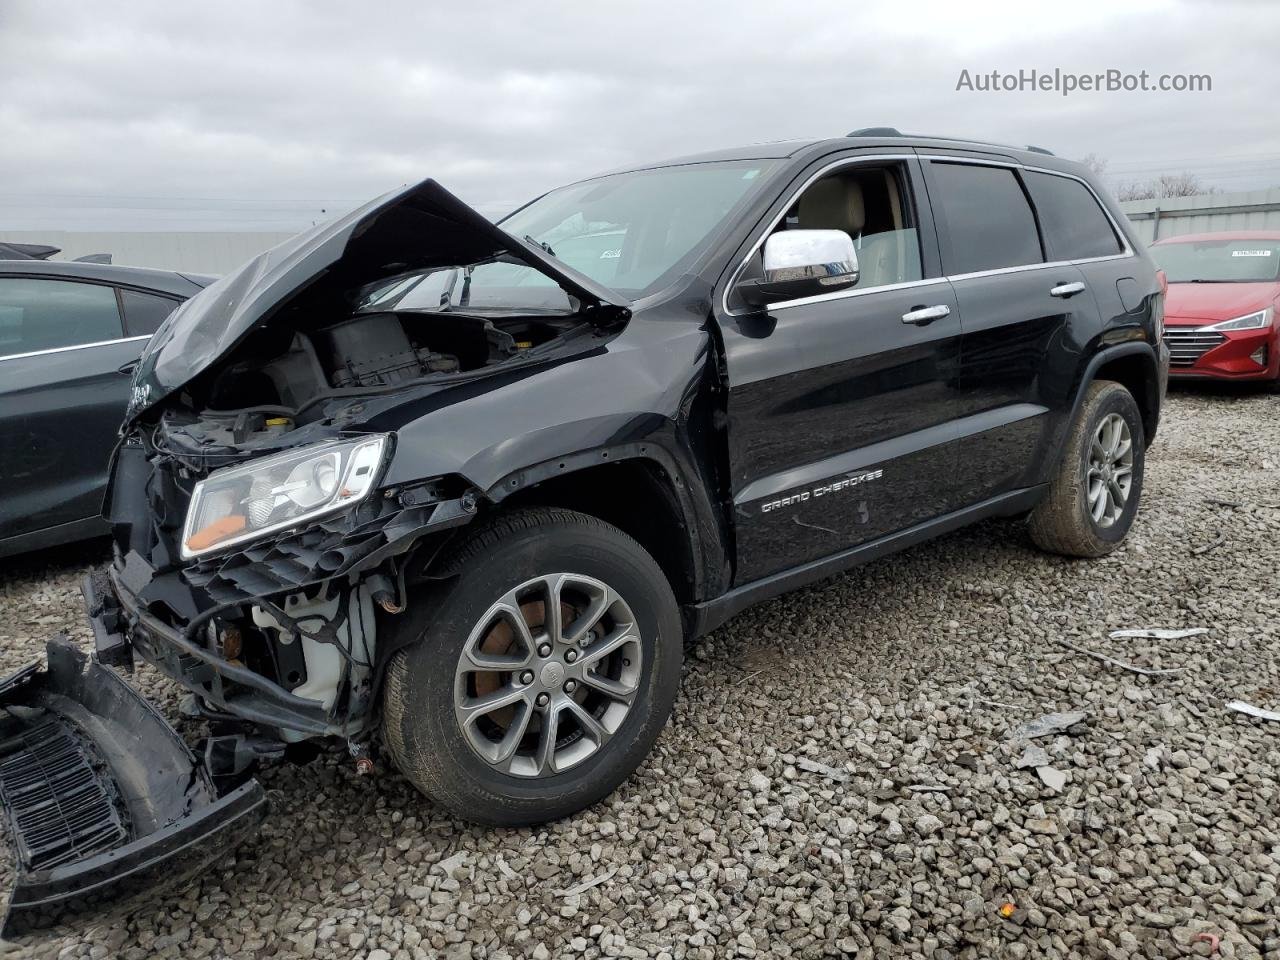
780	815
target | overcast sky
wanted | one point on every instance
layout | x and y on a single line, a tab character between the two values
233	115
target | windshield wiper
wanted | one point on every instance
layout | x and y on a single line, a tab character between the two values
539	243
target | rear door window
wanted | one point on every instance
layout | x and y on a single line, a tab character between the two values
144	312
1075	226
989	222
44	314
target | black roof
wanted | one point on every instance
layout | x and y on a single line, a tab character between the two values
162	281
869	137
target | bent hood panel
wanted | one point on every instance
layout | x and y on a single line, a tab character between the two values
416	228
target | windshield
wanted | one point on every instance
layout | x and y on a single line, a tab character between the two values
632	232
1219	261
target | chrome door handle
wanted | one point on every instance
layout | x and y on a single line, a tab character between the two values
922	316
1065	290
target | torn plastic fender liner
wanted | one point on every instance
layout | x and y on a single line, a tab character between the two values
103	801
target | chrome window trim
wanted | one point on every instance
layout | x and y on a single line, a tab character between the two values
76	346
973	161
848	294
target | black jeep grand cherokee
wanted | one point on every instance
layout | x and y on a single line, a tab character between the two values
466	490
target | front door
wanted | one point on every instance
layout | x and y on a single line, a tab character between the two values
840	405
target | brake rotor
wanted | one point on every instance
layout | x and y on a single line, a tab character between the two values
501	641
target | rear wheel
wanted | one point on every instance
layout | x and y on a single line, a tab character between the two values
545	673
1094	494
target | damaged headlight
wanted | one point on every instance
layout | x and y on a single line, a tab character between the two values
242	503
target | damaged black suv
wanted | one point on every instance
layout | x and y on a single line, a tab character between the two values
462	492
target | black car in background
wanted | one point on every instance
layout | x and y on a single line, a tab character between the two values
69	335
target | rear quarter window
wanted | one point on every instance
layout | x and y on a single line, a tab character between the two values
1075	226
989	223
144	312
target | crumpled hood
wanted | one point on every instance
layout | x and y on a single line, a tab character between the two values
1212	302
418	227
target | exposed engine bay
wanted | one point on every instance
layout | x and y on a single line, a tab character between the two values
374	350
275	383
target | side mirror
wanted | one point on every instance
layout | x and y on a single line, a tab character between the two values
803	263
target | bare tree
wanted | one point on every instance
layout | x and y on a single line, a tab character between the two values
1094	164
1185	184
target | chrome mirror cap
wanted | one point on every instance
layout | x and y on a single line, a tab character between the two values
825	258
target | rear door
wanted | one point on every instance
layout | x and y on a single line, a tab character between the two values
62	398
839	411
1019	310
1076	227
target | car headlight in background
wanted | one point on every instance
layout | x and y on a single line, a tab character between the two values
253	499
1250	321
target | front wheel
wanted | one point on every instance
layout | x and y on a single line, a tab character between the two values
1094	494
546	671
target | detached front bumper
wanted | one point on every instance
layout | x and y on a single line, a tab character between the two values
103	800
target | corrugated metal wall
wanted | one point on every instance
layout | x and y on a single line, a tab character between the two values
195	252
1174	216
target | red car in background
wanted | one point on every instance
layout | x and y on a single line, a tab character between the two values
1220	313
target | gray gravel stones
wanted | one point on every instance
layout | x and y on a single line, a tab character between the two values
726	844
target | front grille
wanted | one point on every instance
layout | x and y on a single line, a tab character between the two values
1187	345
58	807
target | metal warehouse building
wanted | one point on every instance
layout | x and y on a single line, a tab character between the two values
1173	216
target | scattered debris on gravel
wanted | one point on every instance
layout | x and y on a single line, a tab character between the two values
1247	708
844	771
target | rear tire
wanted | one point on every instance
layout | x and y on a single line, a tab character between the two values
1093	496
603	710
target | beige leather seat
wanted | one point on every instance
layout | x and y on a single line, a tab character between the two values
833	203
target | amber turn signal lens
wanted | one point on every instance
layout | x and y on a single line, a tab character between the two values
216	532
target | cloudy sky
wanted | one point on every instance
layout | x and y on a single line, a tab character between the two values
237	115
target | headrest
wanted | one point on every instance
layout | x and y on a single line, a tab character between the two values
833	203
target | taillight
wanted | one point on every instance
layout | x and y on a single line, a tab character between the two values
1157	313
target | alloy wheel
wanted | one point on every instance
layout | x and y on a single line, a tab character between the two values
1109	476
548	675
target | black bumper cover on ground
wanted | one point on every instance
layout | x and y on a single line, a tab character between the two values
102	799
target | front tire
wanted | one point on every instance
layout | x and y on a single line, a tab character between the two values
547	669
1094	494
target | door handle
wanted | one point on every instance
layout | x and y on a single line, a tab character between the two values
923	316
1065	290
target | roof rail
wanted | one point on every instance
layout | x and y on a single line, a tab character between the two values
895	132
